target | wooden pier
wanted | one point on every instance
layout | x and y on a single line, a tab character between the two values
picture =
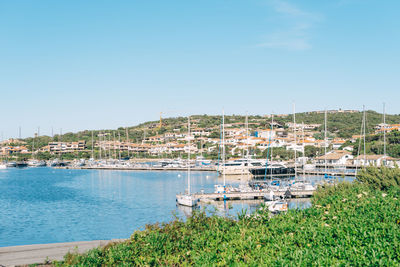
253	195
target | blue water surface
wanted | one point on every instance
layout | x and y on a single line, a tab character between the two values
45	205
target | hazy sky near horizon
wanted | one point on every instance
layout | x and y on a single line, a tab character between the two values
103	64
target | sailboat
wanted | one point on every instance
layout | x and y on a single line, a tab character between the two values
218	188
187	199
298	184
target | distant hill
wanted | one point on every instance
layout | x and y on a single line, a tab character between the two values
340	124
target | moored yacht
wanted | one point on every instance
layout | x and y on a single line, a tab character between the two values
302	185
21	164
239	166
37	163
277	170
11	164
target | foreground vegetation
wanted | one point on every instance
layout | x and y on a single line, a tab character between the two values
348	224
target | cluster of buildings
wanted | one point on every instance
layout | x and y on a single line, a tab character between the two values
238	140
15	146
12	147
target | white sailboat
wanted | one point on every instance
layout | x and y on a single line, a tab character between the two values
222	188
187	199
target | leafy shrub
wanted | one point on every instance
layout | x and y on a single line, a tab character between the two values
383	178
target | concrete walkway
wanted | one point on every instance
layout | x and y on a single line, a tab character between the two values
30	254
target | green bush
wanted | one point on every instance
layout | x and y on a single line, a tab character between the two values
382	178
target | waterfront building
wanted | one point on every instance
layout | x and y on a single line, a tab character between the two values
335	157
66	147
10	150
375	160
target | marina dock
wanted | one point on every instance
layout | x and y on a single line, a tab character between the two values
253	195
149	168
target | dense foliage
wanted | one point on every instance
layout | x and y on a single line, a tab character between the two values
344	124
383	178
348	225
374	144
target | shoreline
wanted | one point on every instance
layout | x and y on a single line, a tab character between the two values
40	253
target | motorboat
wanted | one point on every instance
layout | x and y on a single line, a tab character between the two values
21	164
11	164
302	185
277	206
275	169
239	166
37	163
57	163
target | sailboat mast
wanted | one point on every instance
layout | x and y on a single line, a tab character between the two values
114	144
60	143
92	146
384	133
304	150
270	137
33	145
119	145
247	144
325	140
223	146
189	155
127	141
295	140
272	129
364	132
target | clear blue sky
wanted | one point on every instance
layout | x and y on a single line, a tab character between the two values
102	64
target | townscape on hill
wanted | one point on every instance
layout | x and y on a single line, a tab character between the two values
167	138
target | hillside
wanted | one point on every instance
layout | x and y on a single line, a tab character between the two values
340	124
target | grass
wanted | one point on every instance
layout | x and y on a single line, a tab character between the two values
348	225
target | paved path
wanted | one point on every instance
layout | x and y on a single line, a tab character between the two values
30	254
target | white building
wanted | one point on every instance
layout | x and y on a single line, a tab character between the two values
335	157
374	160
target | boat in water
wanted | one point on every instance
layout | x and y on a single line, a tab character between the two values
11	164
239	166
277	206
187	199
277	170
57	163
37	163
21	164
302	186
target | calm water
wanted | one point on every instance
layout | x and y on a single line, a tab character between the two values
44	205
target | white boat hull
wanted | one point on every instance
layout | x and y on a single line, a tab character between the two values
277	206
187	200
